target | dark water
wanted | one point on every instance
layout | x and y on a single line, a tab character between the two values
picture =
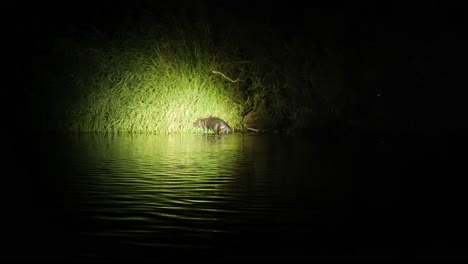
239	196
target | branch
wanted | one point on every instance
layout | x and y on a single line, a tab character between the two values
225	77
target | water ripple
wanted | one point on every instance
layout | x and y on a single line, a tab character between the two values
181	192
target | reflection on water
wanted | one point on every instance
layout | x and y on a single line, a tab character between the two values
152	196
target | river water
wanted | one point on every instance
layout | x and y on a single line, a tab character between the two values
237	196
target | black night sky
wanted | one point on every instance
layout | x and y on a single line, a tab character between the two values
404	63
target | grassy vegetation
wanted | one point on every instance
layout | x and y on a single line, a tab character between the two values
153	81
160	79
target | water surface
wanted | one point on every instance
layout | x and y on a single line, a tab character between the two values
149	197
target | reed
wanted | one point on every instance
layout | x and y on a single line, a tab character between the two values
157	81
161	77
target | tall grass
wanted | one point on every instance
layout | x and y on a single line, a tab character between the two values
153	81
158	78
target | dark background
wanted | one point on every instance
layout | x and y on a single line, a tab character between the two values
413	55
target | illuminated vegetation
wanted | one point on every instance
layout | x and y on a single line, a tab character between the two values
160	78
153	82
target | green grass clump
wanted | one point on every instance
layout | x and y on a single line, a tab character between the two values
156	81
161	77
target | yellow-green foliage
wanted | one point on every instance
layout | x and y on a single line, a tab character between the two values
153	83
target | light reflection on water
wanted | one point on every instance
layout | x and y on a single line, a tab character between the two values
147	196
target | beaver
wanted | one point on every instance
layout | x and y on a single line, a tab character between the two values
216	124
